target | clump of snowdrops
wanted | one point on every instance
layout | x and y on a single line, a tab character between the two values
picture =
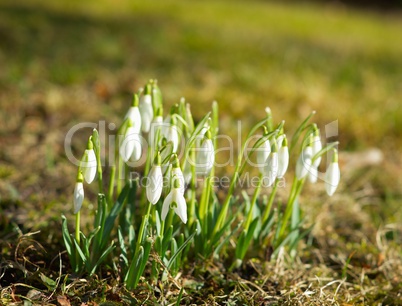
151	225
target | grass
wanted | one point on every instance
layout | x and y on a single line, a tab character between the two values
65	62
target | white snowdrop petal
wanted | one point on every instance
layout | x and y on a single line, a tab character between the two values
313	174
262	154
147	112
304	163
283	160
89	166
166	205
316	147
332	177
271	169
181	207
177	173
131	144
78	196
134	115
205	157
154	185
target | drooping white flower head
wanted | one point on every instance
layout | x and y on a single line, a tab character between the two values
155	181
279	140
177	174
262	154
131	145
303	165
175	200
187	172
271	166
156	129
332	175
283	158
134	115
205	155
146	109
88	163
172	135
316	146
78	192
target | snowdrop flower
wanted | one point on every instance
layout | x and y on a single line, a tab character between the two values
332	175
178	174
78	192
262	154
146	109
316	147
175	200
172	135
279	140
205	155
271	166
156	128
303	165
131	145
283	158
155	181
88	164
187	172
134	115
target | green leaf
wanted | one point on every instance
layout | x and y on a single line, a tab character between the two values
299	130
173	258
123	254
117	207
102	258
248	237
66	235
48	282
131	276
166	239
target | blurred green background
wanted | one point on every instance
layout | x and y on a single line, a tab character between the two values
69	61
64	62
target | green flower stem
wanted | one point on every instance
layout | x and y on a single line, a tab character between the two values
142	227
225	206
191	215
120	169
270	202
77	237
296	189
253	201
111	185
146	171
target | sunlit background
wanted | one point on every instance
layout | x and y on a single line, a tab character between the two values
64	62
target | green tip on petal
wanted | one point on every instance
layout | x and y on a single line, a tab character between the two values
136	100
274	147
148	89
159	112
176	183
310	140
80	177
335	156
90	145
208	134
175	163
158	159
284	142
173	120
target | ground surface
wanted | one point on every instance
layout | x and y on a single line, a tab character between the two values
65	62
